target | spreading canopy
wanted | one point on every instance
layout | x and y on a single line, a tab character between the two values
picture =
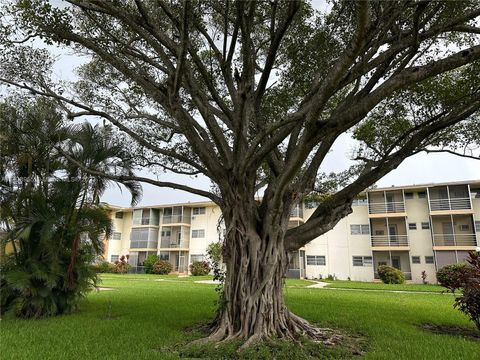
254	94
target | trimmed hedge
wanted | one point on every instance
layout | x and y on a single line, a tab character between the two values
450	276
390	275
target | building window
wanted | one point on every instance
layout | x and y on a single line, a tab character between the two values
196	258
412	226
164	255
114	258
318	260
119	215
422	194
464	227
362	261
360	201
198	233
198	211
361	229
117	236
477	225
409	195
416	260
429	260
425	225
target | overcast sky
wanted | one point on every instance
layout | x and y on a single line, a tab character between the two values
418	169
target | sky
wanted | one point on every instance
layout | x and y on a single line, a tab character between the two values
418	169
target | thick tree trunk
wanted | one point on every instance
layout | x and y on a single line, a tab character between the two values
254	305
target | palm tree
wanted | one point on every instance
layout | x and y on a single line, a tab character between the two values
50	207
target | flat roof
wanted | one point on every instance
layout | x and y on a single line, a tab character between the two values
427	185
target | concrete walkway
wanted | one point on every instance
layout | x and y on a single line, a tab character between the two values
318	285
213	282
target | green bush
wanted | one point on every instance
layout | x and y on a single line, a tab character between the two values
162	267
390	275
122	266
450	276
105	267
200	268
149	262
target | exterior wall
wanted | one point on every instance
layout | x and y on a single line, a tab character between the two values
339	245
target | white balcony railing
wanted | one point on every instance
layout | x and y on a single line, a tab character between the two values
450	204
390	240
174	219
454	240
386	207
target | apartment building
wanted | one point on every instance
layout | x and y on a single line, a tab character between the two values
414	228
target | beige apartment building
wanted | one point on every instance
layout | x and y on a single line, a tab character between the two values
414	228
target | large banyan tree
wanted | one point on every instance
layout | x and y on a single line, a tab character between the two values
253	95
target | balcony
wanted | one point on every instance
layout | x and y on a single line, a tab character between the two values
450	204
173	243
176	219
455	240
390	241
386	208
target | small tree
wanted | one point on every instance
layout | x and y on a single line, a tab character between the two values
199	268
149	262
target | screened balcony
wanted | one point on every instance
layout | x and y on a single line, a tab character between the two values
176	215
454	230
146	217
389	232
144	238
175	237
399	260
386	202
445	198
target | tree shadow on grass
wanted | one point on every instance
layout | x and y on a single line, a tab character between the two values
452	330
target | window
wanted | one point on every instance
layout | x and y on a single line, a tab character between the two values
412	226
422	194
429	260
362	261
166	233
477	225
464	227
318	260
117	236
114	258
198	210
425	225
360	201
195	258
198	233
362	229
415	259
164	255
119	215
409	195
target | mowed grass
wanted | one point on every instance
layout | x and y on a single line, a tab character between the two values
145	314
339	284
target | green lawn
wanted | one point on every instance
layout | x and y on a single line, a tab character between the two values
339	284
142	315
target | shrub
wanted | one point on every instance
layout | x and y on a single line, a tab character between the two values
466	278
390	275
162	267
450	276
200	268
105	267
149	262
122	266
